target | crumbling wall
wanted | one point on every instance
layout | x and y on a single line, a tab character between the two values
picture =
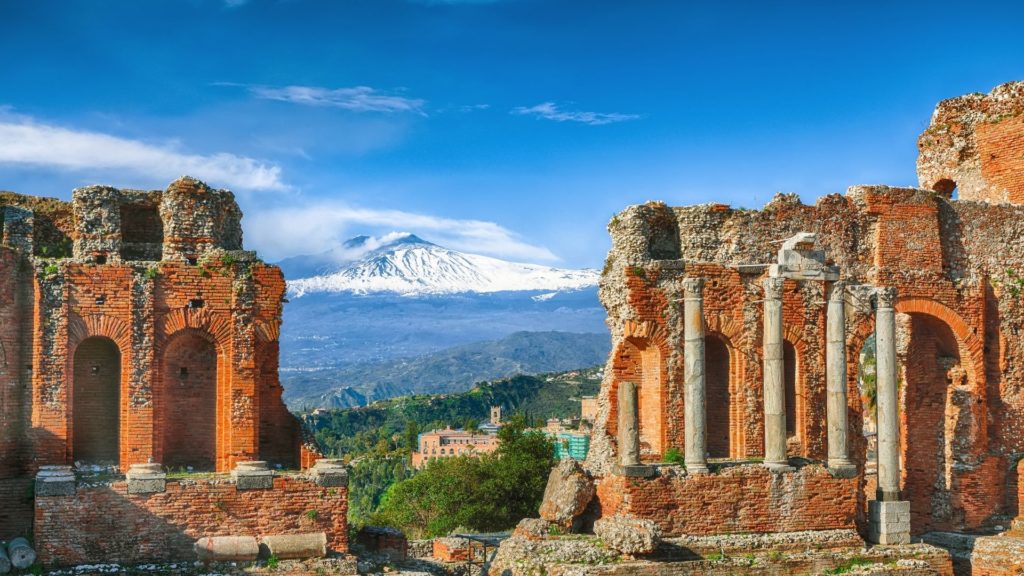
109	523
975	145
952	262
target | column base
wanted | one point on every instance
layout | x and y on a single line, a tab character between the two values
842	469
779	467
697	468
889	522
635	470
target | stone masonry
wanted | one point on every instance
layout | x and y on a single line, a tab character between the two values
789	297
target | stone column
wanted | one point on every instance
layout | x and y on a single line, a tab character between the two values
694	393
629	433
629	425
889	518
836	381
886	396
774	379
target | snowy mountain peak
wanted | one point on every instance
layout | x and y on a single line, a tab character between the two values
403	263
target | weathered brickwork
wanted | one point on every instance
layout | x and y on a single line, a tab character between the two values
135	329
740	499
108	523
957	266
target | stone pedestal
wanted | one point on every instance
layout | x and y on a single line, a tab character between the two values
146	479
694	392
889	522
774	380
253	475
329	473
55	481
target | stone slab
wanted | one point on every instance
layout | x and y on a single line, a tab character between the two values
635	471
253	480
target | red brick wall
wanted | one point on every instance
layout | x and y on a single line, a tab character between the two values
736	500
106	524
190	411
718	405
15	507
1001	149
96	404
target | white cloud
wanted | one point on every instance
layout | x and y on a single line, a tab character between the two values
355	99
550	111
315	228
25	142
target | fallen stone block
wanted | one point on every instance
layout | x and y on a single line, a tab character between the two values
21	554
628	535
567	494
227	549
253	475
534	528
296	546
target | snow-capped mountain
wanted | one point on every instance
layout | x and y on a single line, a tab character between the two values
408	265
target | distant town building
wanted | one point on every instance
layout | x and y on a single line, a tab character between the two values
588	408
494	425
570	445
449	443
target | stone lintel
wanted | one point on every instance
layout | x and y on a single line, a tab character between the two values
55	481
779	467
804	272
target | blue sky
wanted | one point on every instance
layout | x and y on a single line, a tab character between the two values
514	128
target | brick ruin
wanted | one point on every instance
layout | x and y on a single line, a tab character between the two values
738	339
135	330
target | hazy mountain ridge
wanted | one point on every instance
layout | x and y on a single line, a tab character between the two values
452	370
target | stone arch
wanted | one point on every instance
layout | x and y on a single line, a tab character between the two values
99	409
965	335
641	358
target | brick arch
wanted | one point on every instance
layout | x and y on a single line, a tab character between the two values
267	331
80	328
118	332
964	334
795	338
641	357
727	333
216	326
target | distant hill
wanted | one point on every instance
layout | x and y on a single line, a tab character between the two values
354	431
452	370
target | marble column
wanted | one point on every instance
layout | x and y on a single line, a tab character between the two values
629	425
836	379
774	378
694	393
888	516
887	401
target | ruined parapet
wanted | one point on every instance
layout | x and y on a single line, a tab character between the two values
975	145
198	218
113	224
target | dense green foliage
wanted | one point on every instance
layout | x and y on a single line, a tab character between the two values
485	493
378	439
390	425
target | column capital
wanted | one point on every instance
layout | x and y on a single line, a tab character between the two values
773	287
693	287
838	292
885	297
